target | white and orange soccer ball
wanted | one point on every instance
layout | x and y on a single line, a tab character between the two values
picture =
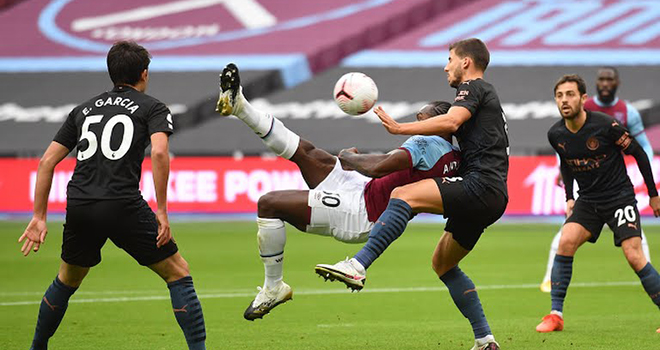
355	93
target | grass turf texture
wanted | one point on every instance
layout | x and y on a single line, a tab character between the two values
403	306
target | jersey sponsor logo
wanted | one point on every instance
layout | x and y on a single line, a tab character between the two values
586	164
592	143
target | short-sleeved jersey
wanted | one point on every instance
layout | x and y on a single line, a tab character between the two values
626	115
483	138
593	155
430	156
111	132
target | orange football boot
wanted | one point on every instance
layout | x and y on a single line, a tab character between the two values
551	323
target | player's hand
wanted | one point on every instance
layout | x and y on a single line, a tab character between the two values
164	232
34	236
569	207
390	124
654	202
559	181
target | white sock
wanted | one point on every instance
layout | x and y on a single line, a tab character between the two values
485	340
358	266
645	247
558	313
551	256
272	239
271	130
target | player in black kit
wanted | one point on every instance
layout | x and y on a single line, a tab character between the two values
590	146
471	202
111	132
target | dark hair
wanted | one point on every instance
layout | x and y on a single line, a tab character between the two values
613	69
440	107
574	78
473	48
126	62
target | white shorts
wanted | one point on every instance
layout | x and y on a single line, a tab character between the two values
338	207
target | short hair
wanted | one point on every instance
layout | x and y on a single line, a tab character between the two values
126	62
440	107
613	69
473	48
572	78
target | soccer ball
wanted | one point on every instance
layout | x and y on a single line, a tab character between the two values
355	93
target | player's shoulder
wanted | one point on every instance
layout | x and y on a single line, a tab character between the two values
600	118
557	128
425	141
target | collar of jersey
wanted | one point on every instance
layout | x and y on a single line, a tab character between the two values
601	104
122	87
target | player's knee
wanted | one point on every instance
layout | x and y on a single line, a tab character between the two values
439	268
267	205
568	245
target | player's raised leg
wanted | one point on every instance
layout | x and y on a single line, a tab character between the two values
421	196
55	302
185	303
314	163
448	253
572	237
275	208
545	285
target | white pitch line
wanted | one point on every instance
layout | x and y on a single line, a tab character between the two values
329	292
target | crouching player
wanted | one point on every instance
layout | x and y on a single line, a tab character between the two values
590	146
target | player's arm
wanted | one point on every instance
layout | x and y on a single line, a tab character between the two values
374	165
567	177
636	127
629	145
441	125
36	231
160	162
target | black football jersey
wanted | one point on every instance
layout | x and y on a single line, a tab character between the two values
110	133
593	156
483	138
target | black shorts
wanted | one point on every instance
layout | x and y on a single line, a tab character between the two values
469	214
621	216
129	223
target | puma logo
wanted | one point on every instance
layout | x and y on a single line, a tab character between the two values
562	146
183	309
632	225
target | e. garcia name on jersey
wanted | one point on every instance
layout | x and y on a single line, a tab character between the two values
118	101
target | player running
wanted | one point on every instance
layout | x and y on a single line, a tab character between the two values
590	146
111	132
471	202
342	203
607	82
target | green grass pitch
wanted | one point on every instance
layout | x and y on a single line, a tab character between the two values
403	306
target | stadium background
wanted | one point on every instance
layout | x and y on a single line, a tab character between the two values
290	59
52	57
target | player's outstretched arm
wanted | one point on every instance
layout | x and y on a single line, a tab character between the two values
160	163
629	145
374	165
446	124
36	231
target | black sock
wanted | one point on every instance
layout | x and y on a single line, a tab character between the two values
188	312
465	296
562	270
51	311
651	282
390	225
